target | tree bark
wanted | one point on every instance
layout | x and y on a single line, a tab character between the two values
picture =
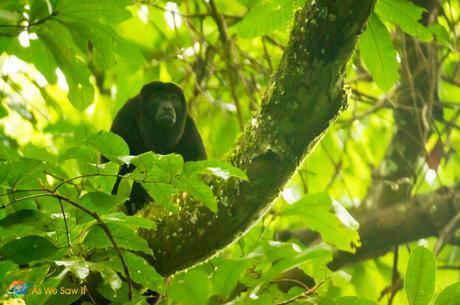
305	97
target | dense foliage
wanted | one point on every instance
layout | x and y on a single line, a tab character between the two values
391	159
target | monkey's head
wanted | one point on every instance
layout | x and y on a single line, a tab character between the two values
163	110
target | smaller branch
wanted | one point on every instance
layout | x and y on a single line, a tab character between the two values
52	193
107	232
274	42
228	57
67	232
447	234
197	15
394	276
267	55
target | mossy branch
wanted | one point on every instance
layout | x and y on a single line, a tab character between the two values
305	96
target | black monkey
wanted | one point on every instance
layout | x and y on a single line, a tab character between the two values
156	120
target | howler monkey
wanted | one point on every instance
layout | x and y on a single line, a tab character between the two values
156	120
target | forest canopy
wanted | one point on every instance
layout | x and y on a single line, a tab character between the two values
331	173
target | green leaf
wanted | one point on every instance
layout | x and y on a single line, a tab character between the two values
27	249
124	236
109	49
135	221
22	171
39	55
83	153
162	194
11	13
109	144
226	276
190	288
249	3
71	61
141	271
218	168
379	54
405	14
319	213
78	266
98	202
108	275
442	35
353	300
40	9
26	217
420	276
199	190
121	296
450	295
104	177
285	256
8	271
112	11
158	168
265	17
172	164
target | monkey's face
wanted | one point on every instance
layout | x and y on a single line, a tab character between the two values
167	107
162	114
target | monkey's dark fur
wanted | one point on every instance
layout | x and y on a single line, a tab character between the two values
156	120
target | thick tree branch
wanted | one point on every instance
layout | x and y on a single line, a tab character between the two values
305	97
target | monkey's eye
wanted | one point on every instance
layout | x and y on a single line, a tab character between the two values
174	98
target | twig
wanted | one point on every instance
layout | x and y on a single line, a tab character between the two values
66	227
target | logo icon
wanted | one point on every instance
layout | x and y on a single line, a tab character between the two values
17	288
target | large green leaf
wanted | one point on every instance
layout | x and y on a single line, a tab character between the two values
108	274
218	168
98	202
22	171
450	295
135	221
40	10
265	17
124	236
82	153
112	11
319	213
38	54
71	61
199	190
141	271
162	194
190	288
405	14
379	54
286	256
34	219
226	275
27	249
158	168
109	144
420	276
353	300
